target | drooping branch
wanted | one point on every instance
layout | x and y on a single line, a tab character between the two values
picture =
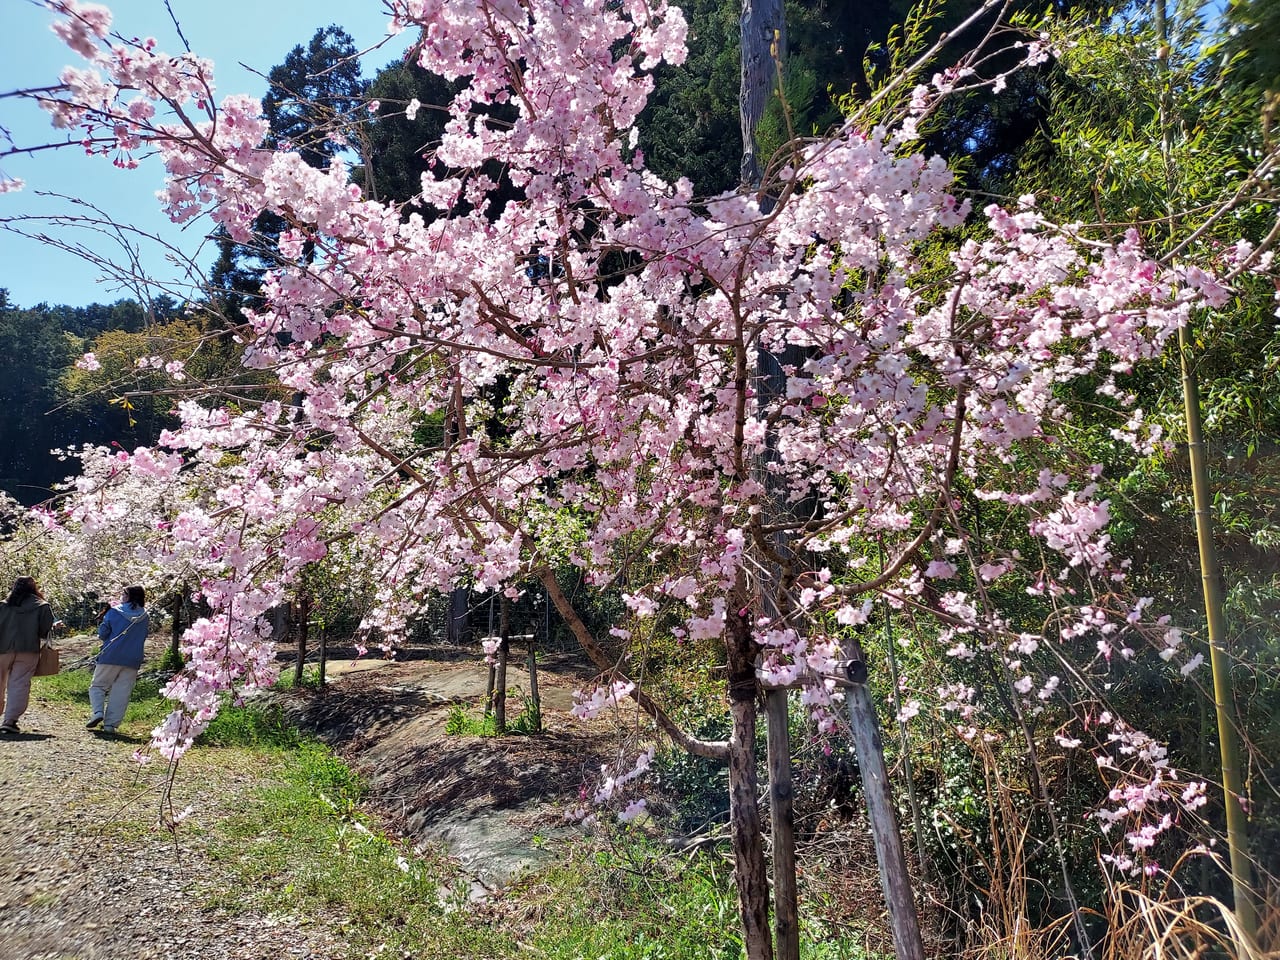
711	749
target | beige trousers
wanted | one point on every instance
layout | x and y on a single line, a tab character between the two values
16	671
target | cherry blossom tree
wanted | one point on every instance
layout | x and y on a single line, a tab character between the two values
591	348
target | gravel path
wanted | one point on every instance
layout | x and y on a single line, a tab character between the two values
86	875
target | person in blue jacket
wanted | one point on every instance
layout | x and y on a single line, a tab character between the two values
123	633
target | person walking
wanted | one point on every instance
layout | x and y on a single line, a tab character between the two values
124	635
25	621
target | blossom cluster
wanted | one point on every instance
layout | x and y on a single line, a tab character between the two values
610	406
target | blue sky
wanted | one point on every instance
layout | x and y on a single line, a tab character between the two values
258	33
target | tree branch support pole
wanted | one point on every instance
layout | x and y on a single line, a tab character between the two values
892	862
750	872
535	699
500	676
324	656
304	627
493	672
786	916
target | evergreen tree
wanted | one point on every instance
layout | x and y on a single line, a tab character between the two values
403	135
314	105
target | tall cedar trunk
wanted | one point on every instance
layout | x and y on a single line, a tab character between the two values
456	626
763	36
763	30
744	807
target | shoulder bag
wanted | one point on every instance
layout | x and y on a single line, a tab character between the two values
50	661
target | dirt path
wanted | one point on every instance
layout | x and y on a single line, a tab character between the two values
85	876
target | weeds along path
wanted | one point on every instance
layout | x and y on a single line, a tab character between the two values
85	874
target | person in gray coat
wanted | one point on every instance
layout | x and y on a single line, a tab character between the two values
25	621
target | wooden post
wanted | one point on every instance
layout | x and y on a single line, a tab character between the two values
534	697
500	681
786	920
324	655
892	863
751	874
304	626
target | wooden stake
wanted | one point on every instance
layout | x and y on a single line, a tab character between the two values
304	625
534	697
786	921
895	881
500	679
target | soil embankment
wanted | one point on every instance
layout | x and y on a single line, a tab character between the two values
486	799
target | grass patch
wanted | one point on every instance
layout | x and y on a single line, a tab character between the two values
259	725
69	686
303	846
631	899
288	679
147	705
461	722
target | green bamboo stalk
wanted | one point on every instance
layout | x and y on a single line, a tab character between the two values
1219	660
1210	571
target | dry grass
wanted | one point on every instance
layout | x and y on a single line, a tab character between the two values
1143	925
